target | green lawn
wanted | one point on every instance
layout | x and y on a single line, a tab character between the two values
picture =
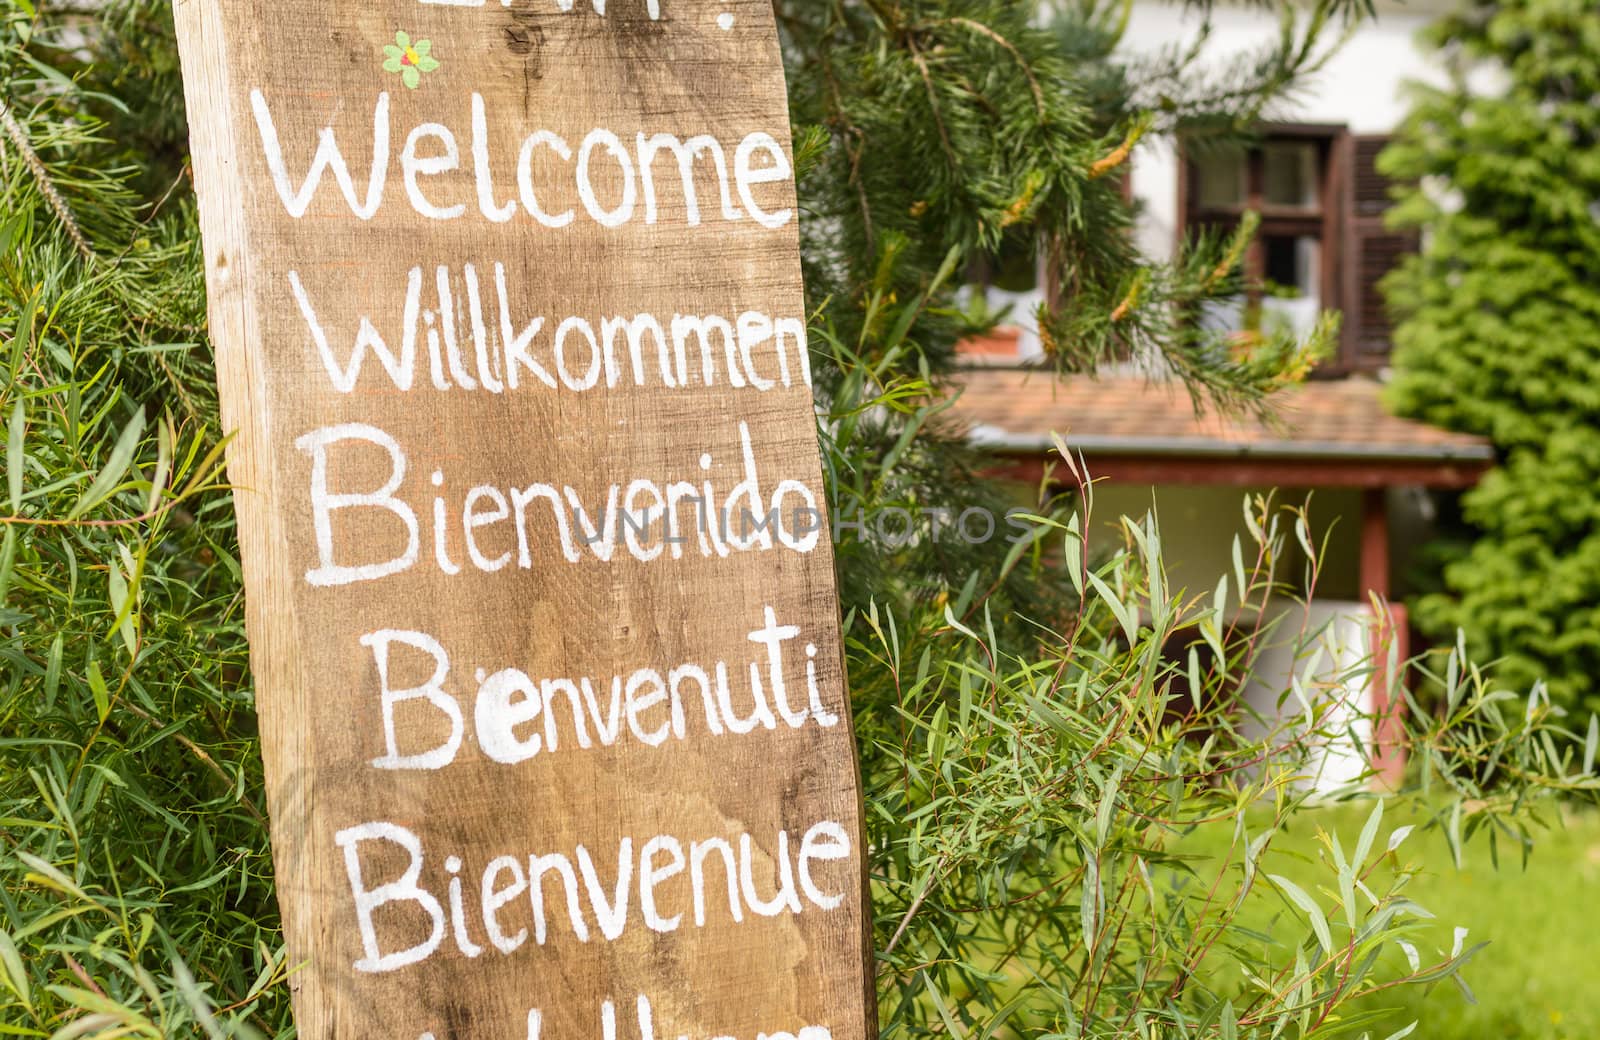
1541	975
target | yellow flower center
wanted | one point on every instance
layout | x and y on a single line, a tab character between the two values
412	57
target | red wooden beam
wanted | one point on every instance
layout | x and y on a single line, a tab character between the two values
1390	633
1374	544
1258	471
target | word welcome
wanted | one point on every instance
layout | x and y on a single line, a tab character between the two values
496	526
577	354
648	884
650	701
431	150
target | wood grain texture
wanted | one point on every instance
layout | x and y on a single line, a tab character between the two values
569	739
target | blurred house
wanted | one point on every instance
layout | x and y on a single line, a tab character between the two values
1322	245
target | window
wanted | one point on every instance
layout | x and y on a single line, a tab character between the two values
1285	178
1010	281
1322	243
1371	251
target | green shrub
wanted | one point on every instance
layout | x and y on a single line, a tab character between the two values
1533	982
1501	330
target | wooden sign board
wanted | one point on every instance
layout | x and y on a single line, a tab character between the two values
507	308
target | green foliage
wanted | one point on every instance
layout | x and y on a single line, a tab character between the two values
929	132
1037	808
1033	755
937	129
1533	982
1501	330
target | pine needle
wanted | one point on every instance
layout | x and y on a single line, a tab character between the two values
30	158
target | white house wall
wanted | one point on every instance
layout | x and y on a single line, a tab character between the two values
1319	673
1361	87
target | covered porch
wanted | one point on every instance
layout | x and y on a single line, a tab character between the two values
1144	444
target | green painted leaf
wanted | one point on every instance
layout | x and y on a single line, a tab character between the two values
166	441
52	671
1452	834
939	1005
123	606
8	555
46	873
1347	883
1107	808
1124	614
1090	901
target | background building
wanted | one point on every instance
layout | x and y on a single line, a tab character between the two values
1323	245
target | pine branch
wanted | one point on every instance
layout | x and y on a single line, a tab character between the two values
58	205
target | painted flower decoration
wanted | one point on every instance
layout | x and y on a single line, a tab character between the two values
409	58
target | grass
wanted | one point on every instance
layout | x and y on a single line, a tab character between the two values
1536	979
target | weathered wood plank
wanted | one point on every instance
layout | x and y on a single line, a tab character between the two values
491	312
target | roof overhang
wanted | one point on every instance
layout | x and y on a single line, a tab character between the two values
1332	434
1246	470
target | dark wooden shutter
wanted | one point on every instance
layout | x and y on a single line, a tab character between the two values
1371	251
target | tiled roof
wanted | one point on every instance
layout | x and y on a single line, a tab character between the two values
1344	419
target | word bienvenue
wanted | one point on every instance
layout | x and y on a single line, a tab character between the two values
664	877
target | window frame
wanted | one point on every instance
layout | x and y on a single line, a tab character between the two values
1325	221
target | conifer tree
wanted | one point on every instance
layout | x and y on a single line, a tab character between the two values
1501	329
931	132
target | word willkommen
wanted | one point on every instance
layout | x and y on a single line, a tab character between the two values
472	349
